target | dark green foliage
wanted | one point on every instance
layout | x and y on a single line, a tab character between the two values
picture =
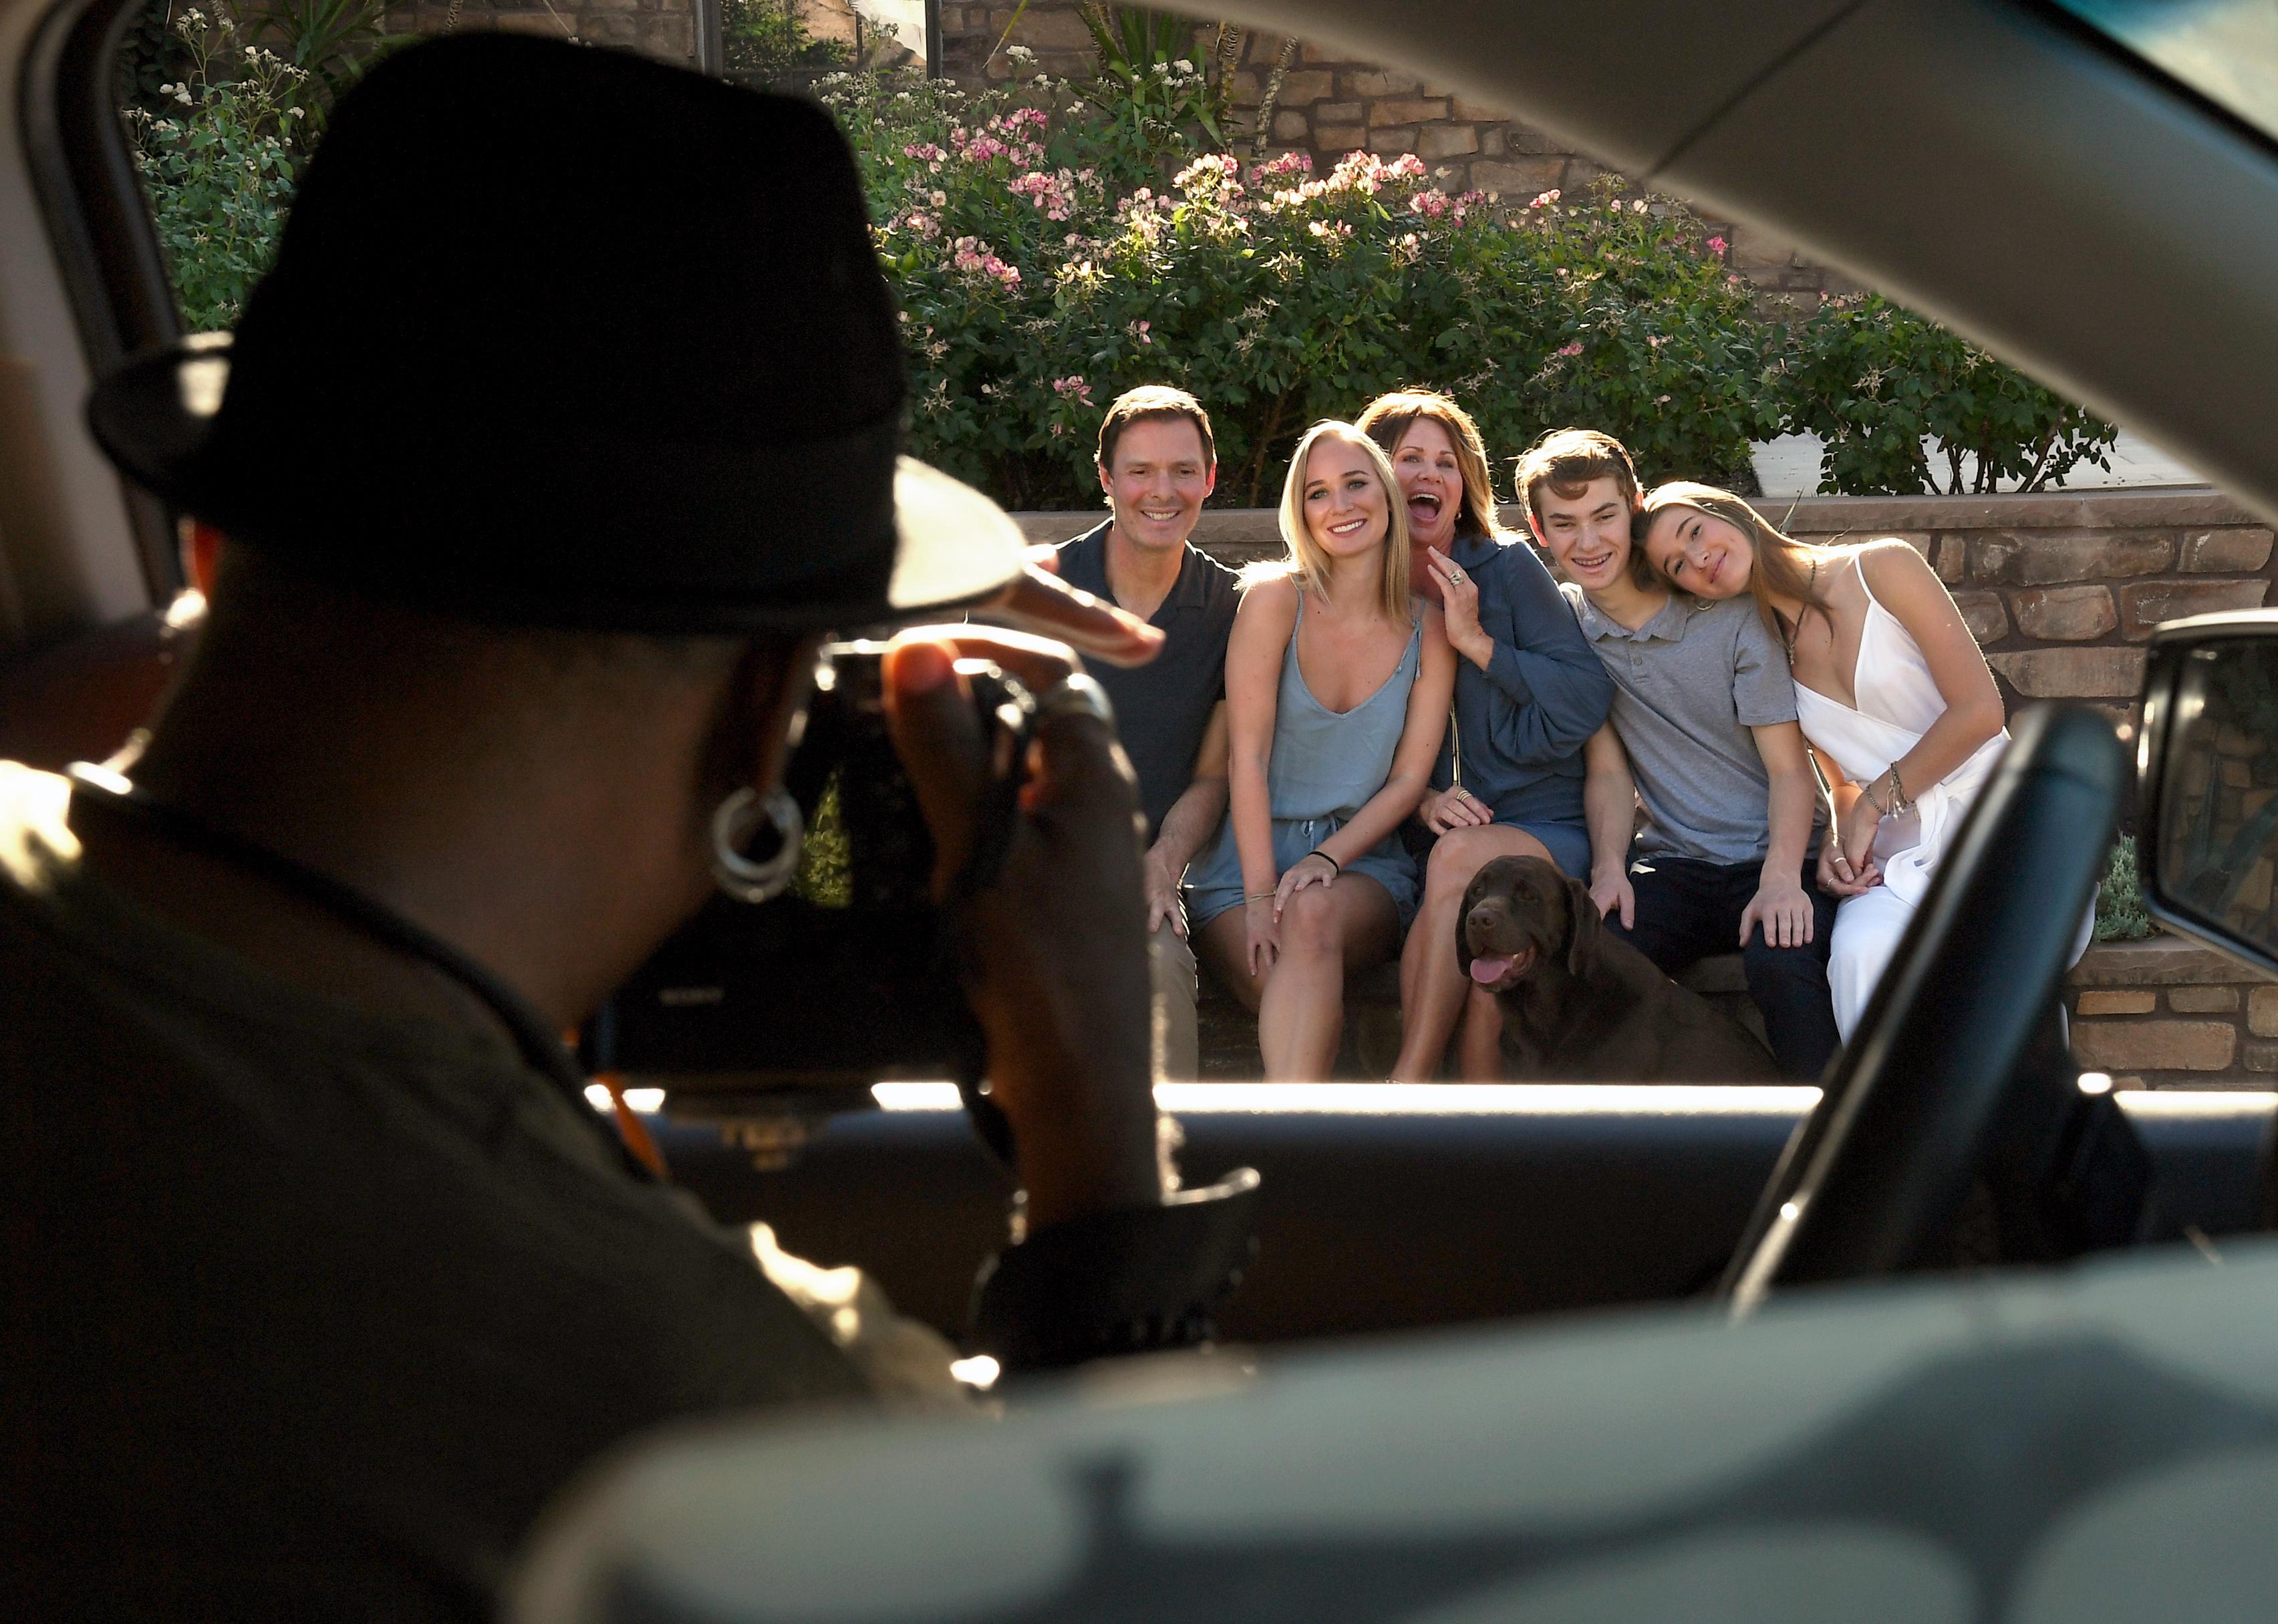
822	877
222	109
2119	912
764	41
1871	379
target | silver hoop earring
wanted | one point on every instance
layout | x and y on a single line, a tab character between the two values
740	817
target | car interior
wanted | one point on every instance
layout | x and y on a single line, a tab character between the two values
1948	152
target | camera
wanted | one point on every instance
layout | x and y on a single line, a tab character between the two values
804	1001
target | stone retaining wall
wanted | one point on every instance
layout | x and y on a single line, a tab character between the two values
2170	1013
2062	590
665	29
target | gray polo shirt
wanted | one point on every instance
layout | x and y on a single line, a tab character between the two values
1688	684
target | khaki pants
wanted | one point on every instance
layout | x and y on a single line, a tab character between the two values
1178	1048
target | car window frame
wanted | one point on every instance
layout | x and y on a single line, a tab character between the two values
2115	49
99	222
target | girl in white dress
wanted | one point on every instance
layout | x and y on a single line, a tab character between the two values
1893	693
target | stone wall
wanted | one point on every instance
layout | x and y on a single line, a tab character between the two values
665	29
1330	105
2062	590
2170	1013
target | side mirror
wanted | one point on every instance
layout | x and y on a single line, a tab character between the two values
2207	782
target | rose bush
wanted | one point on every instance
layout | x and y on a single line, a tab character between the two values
1041	270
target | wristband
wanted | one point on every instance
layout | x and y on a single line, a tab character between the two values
1867	794
1136	1280
1336	867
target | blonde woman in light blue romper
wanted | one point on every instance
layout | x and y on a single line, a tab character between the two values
1337	686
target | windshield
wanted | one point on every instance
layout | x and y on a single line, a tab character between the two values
2225	49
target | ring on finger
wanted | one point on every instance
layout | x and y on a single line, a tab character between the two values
1077	694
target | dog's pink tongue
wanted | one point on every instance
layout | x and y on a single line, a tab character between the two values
1489	969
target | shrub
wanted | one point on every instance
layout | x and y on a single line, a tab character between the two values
1871	379
825	876
221	112
1153	84
762	40
1043	267
219	162
2119	912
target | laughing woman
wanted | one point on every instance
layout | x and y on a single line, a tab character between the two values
1890	686
1529	693
1337	683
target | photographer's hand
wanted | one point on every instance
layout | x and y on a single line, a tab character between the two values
1038	601
1057	947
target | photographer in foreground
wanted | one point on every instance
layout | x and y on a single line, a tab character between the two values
561	431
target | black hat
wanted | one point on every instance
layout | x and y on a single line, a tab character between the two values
561	336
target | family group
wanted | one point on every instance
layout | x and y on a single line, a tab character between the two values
1735	741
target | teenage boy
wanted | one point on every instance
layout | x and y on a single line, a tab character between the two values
1157	462
1703	731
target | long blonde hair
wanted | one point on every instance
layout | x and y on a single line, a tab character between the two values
1305	562
1784	566
1388	420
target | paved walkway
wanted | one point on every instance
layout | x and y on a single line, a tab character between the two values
1789	466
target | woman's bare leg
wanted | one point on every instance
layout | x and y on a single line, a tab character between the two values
1326	932
1432	984
1223	944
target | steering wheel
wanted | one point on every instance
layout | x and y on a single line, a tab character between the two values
1914	1101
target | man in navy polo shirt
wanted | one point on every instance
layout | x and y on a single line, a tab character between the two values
1157	462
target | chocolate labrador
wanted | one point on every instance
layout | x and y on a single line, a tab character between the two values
1579	1003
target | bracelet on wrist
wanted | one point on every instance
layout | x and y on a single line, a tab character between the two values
1130	1280
1336	867
1867	794
1900	801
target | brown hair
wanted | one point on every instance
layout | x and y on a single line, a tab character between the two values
1305	561
1783	565
1567	460
1153	403
1390	416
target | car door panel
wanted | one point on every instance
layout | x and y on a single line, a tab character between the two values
1385	1215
